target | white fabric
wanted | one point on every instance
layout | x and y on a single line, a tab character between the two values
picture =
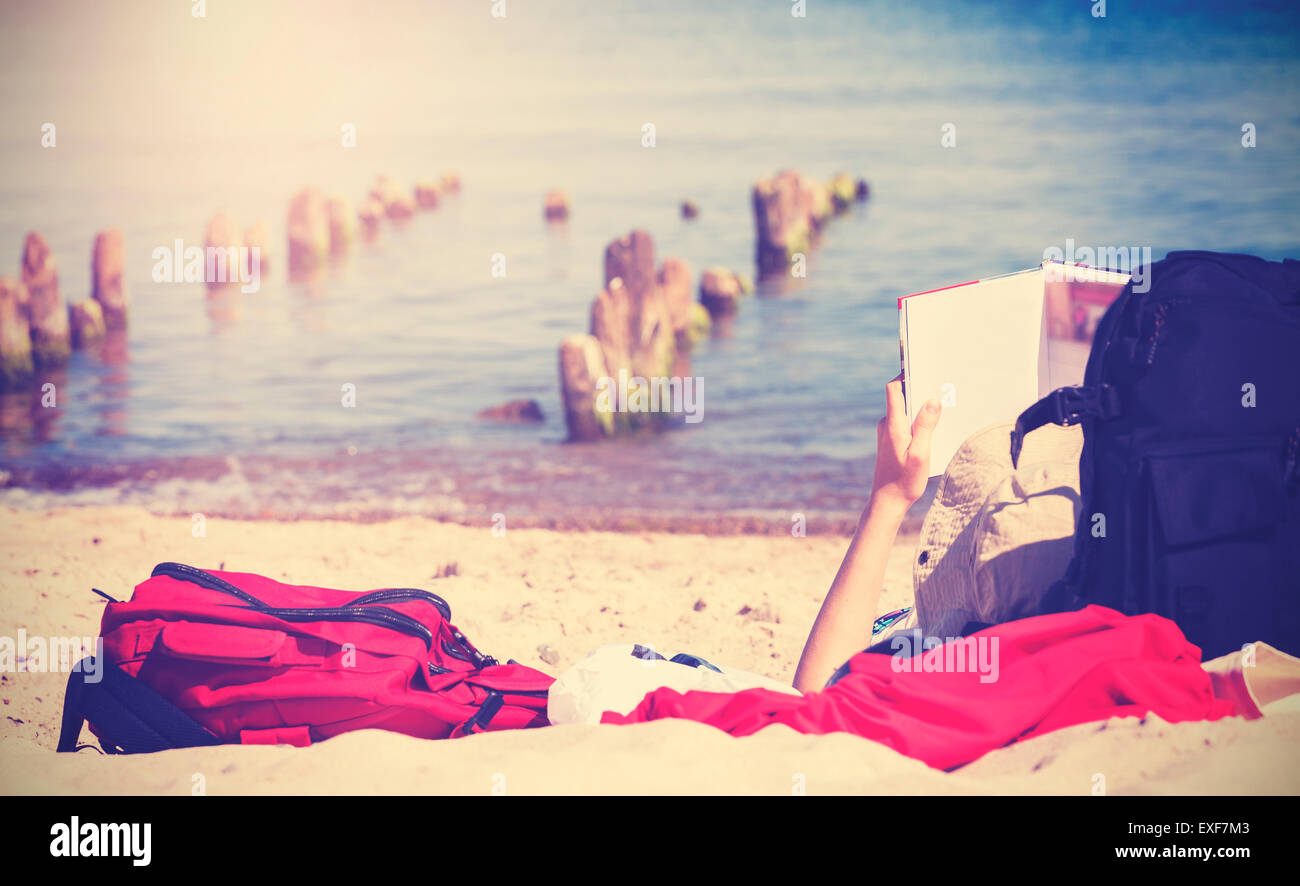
611	678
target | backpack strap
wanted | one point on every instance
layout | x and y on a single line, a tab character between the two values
1065	406
128	716
486	711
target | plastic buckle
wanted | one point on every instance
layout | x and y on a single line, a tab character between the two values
1072	404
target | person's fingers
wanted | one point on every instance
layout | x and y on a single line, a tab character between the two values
927	419
895	407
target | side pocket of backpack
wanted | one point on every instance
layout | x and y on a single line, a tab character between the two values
1217	533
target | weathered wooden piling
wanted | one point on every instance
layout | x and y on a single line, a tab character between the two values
46	315
108	278
308	232
16	363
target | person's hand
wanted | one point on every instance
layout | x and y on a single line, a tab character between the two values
902	452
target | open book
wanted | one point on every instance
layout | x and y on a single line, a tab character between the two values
988	349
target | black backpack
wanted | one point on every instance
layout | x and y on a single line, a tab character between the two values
1190	409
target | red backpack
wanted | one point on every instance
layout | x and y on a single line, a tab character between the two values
200	658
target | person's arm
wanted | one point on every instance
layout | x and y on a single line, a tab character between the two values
843	627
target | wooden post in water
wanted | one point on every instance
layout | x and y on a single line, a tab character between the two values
46	315
16	364
108	278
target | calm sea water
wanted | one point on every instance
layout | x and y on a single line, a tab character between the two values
1123	131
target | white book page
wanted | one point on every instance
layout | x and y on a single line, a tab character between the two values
980	349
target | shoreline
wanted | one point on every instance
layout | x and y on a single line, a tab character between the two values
578	487
226	503
841	526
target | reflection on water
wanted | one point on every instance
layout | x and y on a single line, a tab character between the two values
31	416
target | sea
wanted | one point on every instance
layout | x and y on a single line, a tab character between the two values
989	133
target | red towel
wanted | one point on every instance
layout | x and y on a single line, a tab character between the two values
954	703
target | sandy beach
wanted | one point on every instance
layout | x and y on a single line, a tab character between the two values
746	601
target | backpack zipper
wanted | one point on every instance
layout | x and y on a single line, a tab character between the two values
378	615
204	579
1158	320
390	595
472	656
384	618
212	582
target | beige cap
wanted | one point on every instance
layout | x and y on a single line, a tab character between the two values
996	538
